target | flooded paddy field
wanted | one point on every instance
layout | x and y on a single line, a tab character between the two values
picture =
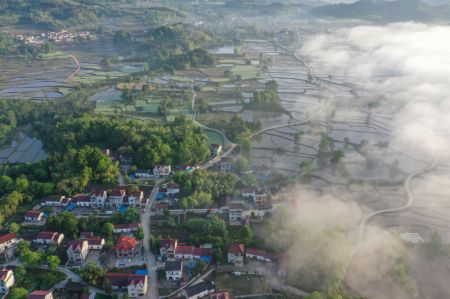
22	149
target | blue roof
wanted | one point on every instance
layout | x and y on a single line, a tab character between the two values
159	195
142	272
206	259
123	209
70	207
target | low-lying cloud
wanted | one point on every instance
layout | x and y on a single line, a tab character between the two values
407	65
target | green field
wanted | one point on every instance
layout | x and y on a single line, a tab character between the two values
246	72
241	285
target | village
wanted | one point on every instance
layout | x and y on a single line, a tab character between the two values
136	244
37	39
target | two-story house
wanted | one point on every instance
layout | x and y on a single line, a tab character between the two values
127	247
173	189
167	247
126	228
6	280
55	201
34	216
236	213
135	284
236	254
116	198
49	238
174	270
162	170
134	199
98	198
199	290
40	295
77	251
82	200
96	243
8	241
143	174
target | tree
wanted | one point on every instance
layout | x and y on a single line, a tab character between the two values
18	293
140	234
64	222
14	228
132	215
31	259
108	229
91	273
200	267
53	261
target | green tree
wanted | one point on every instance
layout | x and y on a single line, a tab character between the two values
91	273
14	228
108	229
53	262
132	215
18	293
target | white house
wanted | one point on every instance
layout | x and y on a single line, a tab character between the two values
216	149
184	252
116	198
49	238
173	189
143	174
236	212
126	228
96	243
162	170
135	284
82	200
55	201
134	199
236	254
258	254
34	216
167	247
77	251
226	164
174	270
7	280
98	198
8	241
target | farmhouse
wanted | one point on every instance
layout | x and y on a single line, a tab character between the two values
135	199
49	238
40	295
199	290
216	150
174	270
55	201
96	243
258	254
126	228
167	247
34	216
98	198
77	251
162	170
236	254
82	200
127	247
8	241
6	280
143	174
116	198
135	284
173	189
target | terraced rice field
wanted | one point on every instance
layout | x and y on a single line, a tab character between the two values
22	149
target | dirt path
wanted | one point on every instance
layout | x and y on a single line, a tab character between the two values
76	71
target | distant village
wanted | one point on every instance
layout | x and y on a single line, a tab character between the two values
54	36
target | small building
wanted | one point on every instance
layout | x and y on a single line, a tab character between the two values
7	280
96	243
162	170
34	216
126	228
199	290
236	212
258	195
77	251
226	164
143	174
127	247
201	253
173	189
55	201
236	254
98	198
220	295
116	198
174	270
135	284
135	199
8	241
40	295
216	149
82	200
167	247
184	252
258	254
49	238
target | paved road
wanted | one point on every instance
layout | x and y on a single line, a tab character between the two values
152	292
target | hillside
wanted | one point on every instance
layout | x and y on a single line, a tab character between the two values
50	14
381	10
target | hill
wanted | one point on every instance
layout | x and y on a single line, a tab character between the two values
381	10
50	14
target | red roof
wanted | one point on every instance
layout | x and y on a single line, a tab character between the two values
82	198
137	194
162	206
33	214
47	236
236	206
98	192
167	243
86	234
236	249
202	252
259	252
55	198
95	241
38	294
125	243
173	186
76	245
7	237
221	295
184	250
118	192
4	274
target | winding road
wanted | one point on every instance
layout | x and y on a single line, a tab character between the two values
74	58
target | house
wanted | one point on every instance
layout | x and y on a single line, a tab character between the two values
258	254
199	290
82	200
143	174
236	254
98	198
174	270
216	149
236	212
220	295
226	164
116	198
135	199
201	253
96	243
258	195
55	201
173	189
127	247
126	228
7	280
86	235
167	247
34	216
77	251
49	238
40	295
135	284
8	241
184	252
162	170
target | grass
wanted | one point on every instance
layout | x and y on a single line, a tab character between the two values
231	61
219	80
